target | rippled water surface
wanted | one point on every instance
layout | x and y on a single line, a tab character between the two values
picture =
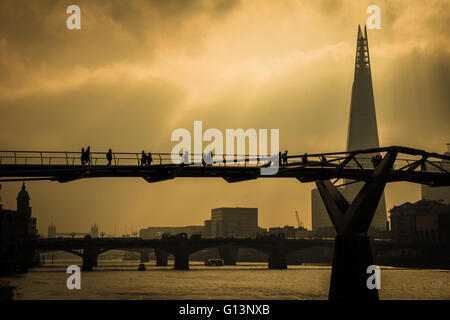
121	280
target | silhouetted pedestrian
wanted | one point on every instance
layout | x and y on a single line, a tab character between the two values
88	155
186	157
376	159
305	158
285	153
203	159
109	156
149	159
209	158
143	158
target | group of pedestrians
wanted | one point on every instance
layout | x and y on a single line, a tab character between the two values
282	158
86	156
207	159
146	159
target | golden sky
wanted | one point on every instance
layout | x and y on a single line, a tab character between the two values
137	70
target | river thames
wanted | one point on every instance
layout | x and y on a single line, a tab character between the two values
121	280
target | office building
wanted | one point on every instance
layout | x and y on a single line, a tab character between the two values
234	222
424	221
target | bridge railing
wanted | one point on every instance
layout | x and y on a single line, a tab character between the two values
119	158
410	159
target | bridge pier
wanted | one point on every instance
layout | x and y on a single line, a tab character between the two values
352	248
181	260
182	253
145	256
229	255
90	256
352	256
277	260
161	258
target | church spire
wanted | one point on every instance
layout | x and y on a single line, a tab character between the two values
23	200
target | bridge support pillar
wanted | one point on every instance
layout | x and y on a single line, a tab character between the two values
277	260
89	258
181	261
182	254
352	248
229	255
161	258
145	256
352	256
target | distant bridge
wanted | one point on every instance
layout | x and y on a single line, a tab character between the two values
275	247
180	246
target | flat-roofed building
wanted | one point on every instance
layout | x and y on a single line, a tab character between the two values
234	222
424	221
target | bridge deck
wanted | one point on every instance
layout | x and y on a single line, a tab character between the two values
414	165
128	243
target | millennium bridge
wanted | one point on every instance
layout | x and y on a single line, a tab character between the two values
352	246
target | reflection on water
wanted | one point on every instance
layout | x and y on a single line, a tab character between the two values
121	280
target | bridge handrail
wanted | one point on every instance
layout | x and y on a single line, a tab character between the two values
409	160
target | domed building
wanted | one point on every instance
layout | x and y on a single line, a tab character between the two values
16	226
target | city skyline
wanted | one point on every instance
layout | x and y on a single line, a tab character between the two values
275	81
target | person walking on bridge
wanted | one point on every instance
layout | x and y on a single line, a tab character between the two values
305	159
376	159
109	156
143	158
149	159
285	161
209	158
88	156
204	159
186	158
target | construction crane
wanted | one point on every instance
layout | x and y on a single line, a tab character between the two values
298	219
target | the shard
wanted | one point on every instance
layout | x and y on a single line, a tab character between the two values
362	129
362	133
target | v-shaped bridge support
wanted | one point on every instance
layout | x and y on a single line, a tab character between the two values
352	249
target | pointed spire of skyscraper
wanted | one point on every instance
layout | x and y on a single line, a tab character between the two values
362	131
360	35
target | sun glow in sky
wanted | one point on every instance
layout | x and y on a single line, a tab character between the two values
138	70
